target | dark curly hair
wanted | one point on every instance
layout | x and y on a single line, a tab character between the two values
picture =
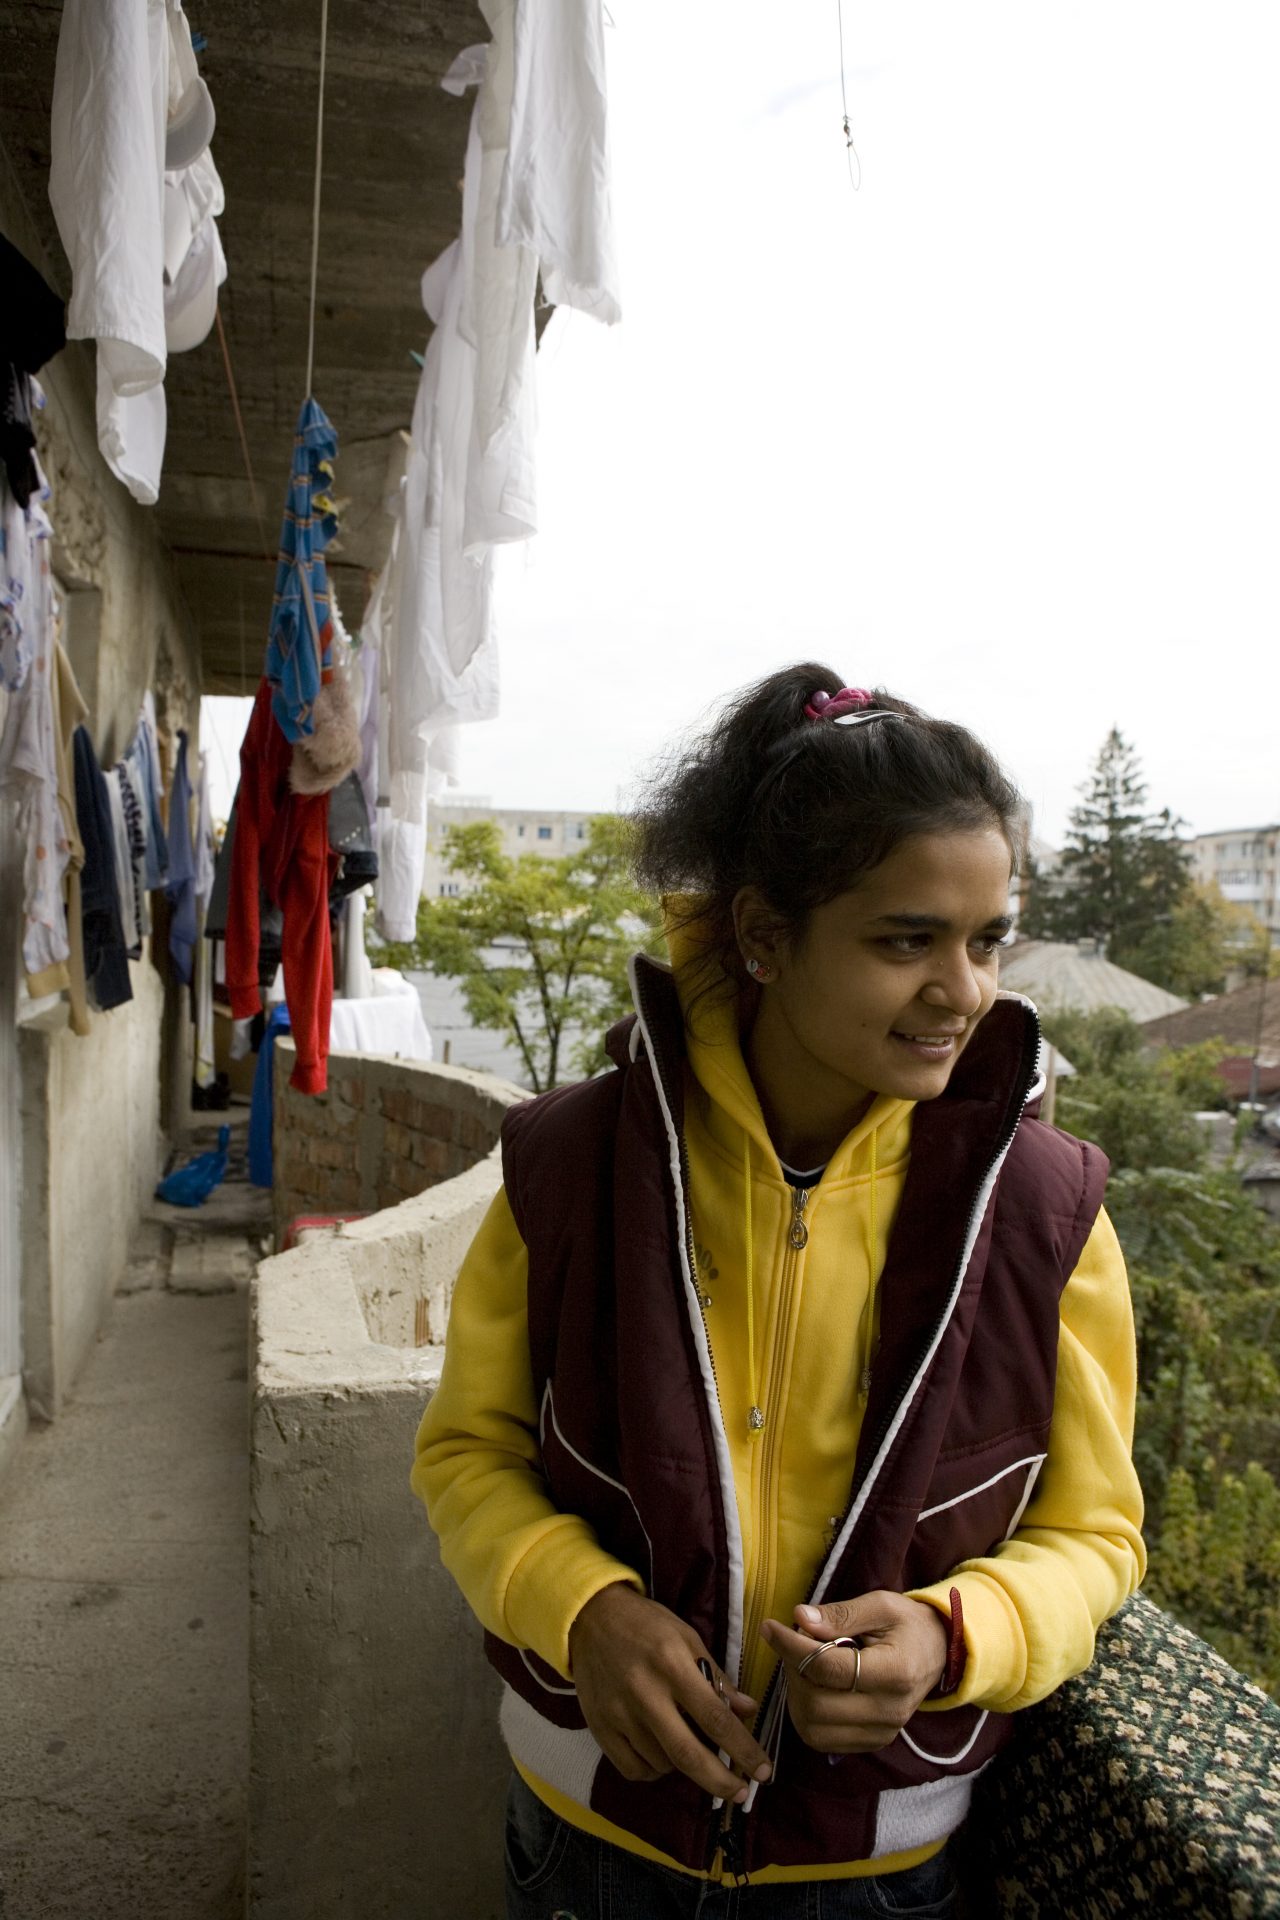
803	809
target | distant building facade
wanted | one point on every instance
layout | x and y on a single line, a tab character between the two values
1244	862
523	830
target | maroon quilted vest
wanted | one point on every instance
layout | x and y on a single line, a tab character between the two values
993	1216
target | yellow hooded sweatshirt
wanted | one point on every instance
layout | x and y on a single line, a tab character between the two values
792	1332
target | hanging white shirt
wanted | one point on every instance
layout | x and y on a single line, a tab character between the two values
106	178
402	853
132	429
496	319
440	658
555	196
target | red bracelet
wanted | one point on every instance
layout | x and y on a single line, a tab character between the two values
953	1672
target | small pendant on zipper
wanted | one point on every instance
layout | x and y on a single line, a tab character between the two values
755	1420
704	1301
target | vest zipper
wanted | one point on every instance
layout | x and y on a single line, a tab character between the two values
763	1717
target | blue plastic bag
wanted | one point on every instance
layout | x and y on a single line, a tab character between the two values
191	1185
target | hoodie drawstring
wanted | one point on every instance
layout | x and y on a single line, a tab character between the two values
868	1345
755	1417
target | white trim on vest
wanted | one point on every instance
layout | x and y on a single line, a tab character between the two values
566	1758
1031	1460
945	1759
724	1461
549	1406
908	1817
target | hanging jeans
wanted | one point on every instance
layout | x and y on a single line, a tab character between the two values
557	1872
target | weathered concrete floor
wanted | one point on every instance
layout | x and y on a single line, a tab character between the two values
124	1599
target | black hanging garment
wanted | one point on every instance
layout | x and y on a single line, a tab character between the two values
31	332
106	965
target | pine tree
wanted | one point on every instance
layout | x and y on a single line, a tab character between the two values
1123	871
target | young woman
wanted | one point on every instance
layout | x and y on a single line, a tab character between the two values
783	1440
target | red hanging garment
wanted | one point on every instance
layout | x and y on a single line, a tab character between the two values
282	847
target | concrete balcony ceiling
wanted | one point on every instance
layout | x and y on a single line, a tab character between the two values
394	149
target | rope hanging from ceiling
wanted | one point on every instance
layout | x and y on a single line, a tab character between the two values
315	206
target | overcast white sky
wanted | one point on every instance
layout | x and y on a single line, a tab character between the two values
999	431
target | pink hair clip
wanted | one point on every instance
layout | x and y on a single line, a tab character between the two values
831	706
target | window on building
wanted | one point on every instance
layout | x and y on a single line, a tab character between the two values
544	833
580	832
520	830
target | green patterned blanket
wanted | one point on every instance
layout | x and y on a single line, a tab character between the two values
1148	1785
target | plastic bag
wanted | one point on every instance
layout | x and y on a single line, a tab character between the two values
191	1185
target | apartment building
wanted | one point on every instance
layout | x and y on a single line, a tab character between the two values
523	830
1245	863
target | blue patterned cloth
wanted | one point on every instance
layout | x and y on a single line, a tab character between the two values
310	522
182	869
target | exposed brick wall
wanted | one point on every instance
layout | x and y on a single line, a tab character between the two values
384	1131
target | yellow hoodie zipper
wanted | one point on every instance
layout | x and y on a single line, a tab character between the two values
759	1580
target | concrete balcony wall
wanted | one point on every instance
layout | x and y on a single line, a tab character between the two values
376	1771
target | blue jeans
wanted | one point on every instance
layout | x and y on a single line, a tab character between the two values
557	1872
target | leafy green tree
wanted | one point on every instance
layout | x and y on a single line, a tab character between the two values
539	946
1120	1096
1202	939
1219	1566
1123	870
1204	1267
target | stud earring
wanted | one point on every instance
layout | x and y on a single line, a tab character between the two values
759	970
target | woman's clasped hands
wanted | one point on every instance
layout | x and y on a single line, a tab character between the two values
856	1699
635	1667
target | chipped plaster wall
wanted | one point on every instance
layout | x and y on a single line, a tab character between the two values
93	1110
377	1776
